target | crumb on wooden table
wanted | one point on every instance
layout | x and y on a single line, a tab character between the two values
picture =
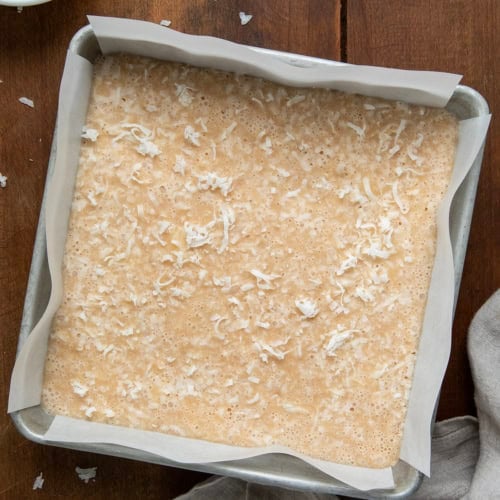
38	483
27	102
245	18
86	474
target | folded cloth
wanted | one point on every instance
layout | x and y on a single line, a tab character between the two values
455	448
483	345
465	450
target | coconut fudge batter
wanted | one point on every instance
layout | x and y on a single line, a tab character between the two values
247	263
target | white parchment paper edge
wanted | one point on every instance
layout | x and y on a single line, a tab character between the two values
142	38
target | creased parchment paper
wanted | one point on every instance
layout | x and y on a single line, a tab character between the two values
147	39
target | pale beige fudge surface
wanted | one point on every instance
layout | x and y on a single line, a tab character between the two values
247	263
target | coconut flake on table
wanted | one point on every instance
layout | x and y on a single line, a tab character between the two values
165	22
3	180
38	483
86	474
245	18
27	102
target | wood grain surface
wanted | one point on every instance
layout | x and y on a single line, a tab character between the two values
450	35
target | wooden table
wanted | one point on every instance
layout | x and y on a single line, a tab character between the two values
453	35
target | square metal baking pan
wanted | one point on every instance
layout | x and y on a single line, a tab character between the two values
273	469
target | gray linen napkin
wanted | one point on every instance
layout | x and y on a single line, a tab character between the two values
465	450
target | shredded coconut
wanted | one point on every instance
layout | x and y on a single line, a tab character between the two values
192	136
267	146
337	339
323	184
185	97
86	474
164	225
350	262
212	181
368	189
341	193
307	307
266	350
240	324
79	388
264	280
293	194
290	408
89	411
400	129
245	18
147	148
375	251
27	102
197	236
295	100
263	324
180	165
90	133
228	131
224	282
254	400
227	221
404	208
360	131
39	480
364	294
179	292
201	122
411	151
